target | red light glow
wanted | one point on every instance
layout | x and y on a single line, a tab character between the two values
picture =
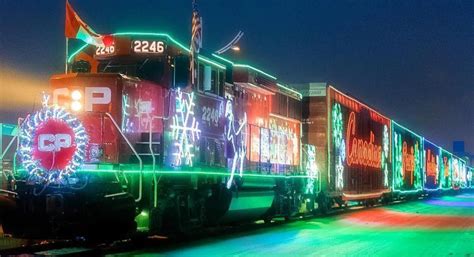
378	217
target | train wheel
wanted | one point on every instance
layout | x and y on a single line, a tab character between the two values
323	204
268	220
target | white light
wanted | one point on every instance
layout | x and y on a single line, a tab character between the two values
76	106
76	95
28	129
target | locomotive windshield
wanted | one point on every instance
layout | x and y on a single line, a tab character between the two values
154	59
147	69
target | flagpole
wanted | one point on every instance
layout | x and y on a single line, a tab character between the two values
67	55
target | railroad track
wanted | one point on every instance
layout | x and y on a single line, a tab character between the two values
83	247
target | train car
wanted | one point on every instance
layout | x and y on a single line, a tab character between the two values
432	167
407	156
352	143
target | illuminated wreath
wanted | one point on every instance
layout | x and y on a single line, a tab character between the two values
60	162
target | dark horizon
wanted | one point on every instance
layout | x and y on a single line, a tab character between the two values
411	60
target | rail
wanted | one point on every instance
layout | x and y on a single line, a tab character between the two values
140	183
155	180
155	186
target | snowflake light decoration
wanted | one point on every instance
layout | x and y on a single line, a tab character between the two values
185	128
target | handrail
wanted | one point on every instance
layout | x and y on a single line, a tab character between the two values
8	192
116	194
155	181
8	146
20	124
140	191
155	186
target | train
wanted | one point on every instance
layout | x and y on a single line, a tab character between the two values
124	142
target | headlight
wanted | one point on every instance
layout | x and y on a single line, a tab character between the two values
76	95
76	106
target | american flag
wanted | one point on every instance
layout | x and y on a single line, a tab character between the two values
196	31
196	40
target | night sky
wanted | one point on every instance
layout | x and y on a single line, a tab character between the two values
412	60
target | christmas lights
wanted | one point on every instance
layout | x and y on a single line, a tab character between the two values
339	144
185	128
310	167
397	161
469	177
446	169
236	137
385	155
418	166
127	125
52	144
359	151
407	159
284	143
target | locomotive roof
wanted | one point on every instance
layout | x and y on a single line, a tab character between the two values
211	58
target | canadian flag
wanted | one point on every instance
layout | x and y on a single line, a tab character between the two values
75	27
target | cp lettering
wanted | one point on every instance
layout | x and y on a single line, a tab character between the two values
53	143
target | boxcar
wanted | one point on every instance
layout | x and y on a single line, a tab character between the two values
352	142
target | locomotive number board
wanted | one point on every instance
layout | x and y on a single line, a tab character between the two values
105	50
148	46
123	46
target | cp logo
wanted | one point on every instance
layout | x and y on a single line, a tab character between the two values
53	142
92	96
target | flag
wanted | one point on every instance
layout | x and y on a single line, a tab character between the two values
196	40
75	27
196	31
